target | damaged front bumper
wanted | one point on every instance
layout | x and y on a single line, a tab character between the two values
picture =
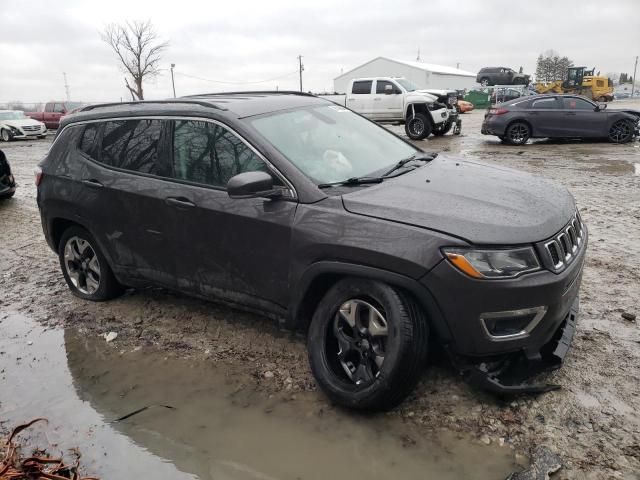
513	373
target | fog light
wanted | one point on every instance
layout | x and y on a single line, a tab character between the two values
511	324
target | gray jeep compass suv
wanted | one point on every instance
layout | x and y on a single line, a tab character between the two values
300	209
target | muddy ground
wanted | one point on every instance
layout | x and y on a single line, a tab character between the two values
592	422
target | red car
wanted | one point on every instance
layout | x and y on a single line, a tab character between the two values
52	111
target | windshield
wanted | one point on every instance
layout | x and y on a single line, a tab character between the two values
330	143
406	84
15	115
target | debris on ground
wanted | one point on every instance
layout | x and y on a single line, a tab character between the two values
14	466
110	337
543	463
629	316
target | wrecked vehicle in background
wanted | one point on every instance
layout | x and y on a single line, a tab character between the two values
558	116
391	99
298	208
7	182
489	76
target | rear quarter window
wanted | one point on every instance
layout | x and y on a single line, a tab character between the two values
362	87
89	140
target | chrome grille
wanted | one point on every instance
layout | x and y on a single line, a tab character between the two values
31	128
565	245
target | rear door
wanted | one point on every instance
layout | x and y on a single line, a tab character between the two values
546	117
360	98
48	116
387	105
227	246
581	119
123	196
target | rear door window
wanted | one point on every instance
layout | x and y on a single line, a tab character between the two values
545	103
362	87
133	145
209	154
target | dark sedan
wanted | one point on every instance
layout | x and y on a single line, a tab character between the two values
558	116
7	182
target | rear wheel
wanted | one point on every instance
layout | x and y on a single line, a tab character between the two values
418	127
442	128
518	133
621	131
5	136
85	268
484	82
367	344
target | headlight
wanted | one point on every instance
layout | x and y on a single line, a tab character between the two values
493	263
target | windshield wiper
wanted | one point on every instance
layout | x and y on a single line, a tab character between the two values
352	181
420	156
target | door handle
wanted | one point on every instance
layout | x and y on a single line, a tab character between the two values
92	183
179	202
377	99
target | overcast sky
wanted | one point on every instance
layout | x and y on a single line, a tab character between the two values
250	41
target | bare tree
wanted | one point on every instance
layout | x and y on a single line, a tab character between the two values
139	50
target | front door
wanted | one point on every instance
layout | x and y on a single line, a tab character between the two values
227	246
581	118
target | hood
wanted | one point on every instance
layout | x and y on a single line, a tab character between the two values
420	96
483	204
21	123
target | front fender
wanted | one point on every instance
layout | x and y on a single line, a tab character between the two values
304	299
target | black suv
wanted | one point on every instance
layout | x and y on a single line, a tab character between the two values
501	76
293	206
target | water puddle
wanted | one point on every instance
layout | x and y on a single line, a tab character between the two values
220	428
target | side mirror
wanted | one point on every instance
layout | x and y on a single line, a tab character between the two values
388	89
252	185
600	106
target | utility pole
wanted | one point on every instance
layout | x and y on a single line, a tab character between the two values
633	83
66	86
458	65
173	83
300	69
418	56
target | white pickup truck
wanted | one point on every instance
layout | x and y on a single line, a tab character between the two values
390	99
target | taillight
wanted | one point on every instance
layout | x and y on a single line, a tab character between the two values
38	174
498	111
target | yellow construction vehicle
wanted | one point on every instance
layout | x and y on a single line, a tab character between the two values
582	82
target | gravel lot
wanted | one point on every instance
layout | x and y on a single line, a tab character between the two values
592	422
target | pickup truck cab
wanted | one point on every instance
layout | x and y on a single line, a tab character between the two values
390	99
51	112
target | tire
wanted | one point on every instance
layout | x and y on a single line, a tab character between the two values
85	268
381	365
418	127
621	131
7	196
5	136
518	133
442	128
485	82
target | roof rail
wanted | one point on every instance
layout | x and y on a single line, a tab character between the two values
254	92
147	102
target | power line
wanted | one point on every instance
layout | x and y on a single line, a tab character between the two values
235	83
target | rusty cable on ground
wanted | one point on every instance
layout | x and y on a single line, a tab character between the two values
14	467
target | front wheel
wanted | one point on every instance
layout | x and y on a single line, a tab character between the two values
518	133
418	127
5	136
443	128
85	268
367	344
621	131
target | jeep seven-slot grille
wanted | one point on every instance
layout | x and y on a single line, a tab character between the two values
566	244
